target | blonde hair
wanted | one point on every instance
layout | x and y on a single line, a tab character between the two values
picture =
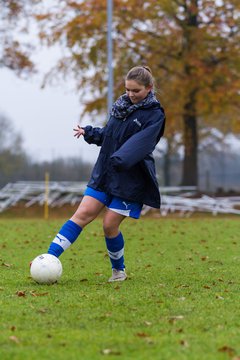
141	74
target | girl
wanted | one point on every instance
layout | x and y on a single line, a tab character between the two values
123	178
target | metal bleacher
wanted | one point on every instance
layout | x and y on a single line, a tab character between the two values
180	200
33	192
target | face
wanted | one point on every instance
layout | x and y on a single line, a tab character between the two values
136	92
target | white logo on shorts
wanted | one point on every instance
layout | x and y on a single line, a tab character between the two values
125	204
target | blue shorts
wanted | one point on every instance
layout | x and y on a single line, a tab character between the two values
116	204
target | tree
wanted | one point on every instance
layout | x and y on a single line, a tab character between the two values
192	47
12	155
9	138
16	165
14	55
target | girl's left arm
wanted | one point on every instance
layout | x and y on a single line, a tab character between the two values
138	146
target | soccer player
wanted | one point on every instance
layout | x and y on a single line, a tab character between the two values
123	178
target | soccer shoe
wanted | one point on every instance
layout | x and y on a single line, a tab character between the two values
118	275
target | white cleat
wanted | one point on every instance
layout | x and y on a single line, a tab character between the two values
118	275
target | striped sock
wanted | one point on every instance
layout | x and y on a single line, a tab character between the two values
66	237
115	247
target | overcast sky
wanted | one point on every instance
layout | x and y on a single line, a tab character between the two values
44	117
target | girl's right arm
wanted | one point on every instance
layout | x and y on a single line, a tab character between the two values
92	135
79	131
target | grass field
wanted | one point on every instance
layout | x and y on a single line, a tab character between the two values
181	300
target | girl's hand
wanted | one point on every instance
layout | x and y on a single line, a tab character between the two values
79	132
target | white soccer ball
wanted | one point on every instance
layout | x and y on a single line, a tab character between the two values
46	269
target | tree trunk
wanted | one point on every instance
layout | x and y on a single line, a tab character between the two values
190	140
166	166
190	133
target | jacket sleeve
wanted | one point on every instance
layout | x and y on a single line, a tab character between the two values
138	146
94	135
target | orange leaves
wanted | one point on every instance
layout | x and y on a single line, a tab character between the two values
14	7
17	60
41	17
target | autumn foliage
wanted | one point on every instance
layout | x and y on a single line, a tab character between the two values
192	47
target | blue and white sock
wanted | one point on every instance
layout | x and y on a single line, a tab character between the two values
115	247
65	238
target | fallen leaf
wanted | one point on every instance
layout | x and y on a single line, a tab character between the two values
7	265
106	351
21	293
227	349
43	310
142	334
110	352
14	339
148	323
173	319
184	343
149	341
206	287
179	330
38	294
108	314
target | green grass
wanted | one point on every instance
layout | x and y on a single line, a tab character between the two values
181	300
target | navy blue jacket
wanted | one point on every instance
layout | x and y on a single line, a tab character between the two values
125	165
